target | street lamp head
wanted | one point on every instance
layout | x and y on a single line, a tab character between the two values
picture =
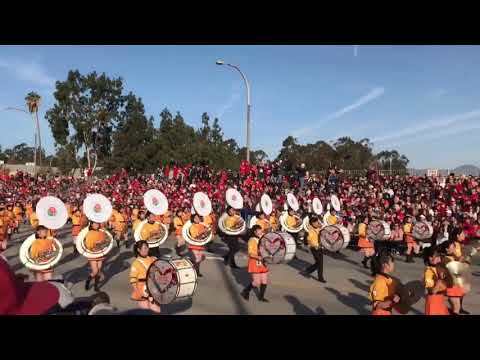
219	62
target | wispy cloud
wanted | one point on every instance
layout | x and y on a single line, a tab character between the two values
450	131
372	95
436	93
427	126
231	101
30	71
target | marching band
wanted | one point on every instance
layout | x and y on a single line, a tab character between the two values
272	237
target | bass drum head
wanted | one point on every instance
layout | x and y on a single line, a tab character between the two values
422	230
42	264
334	237
165	278
279	246
378	230
89	254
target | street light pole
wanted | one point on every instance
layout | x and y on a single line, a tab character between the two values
221	62
36	136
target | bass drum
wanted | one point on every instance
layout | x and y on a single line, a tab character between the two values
97	253
378	230
46	262
234	232
279	247
334	237
285	228
422	230
169	280
152	243
192	241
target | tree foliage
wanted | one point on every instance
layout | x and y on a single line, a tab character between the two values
344	153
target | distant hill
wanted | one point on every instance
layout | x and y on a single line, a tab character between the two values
467	170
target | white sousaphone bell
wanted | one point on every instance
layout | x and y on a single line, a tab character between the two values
156	202
235	200
317	209
292	202
335	204
52	213
203	207
97	208
265	205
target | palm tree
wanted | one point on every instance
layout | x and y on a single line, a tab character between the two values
33	103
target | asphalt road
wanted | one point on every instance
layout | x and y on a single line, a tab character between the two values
218	291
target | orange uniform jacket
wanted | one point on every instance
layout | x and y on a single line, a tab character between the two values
434	303
138	277
254	266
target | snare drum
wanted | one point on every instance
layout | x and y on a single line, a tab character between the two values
169	280
280	247
334	237
422	230
378	230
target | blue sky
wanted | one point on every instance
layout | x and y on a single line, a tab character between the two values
421	100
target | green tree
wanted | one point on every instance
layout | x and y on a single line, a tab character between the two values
84	103
133	145
33	103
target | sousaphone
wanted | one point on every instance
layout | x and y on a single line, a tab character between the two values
265	205
203	207
235	200
292	202
97	208
52	213
317	209
155	202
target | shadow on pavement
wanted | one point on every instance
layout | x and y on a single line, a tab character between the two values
359	285
241	276
116	266
353	301
301	309
299	264
342	257
232	290
177	307
74	276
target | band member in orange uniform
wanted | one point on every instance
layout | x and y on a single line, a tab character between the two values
263	222
316	249
76	226
138	277
256	266
332	218
34	220
365	245
4	222
197	230
11	220
274	220
382	291
29	210
178	223
42	246
18	212
93	239
412	245
453	252
151	230
140	217
230	240
119	225
293	221
434	278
